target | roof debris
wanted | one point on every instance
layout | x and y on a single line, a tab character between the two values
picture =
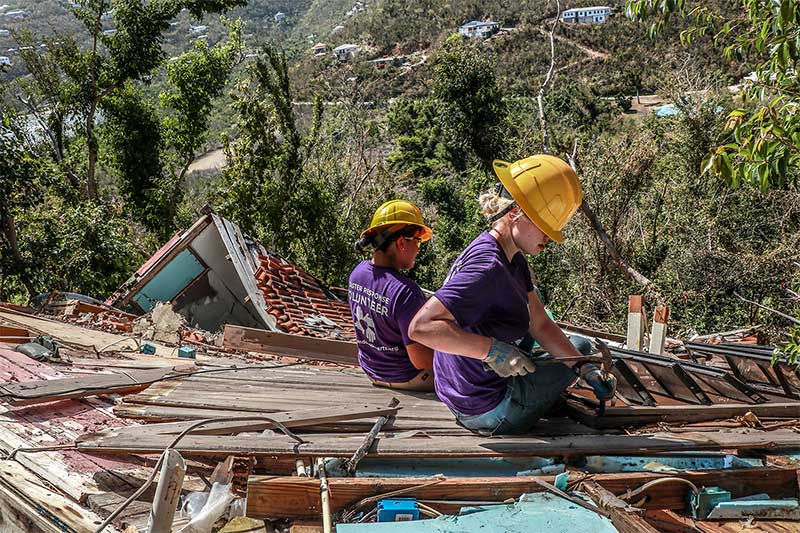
89	426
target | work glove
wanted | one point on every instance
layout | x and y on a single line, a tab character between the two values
508	360
604	386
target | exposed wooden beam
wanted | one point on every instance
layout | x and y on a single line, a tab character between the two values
296	497
299	418
275	343
641	415
441	446
626	519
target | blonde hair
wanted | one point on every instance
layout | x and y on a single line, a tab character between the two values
493	204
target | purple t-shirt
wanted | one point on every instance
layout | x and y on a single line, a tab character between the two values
487	295
383	302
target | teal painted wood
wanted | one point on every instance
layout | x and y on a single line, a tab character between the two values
172	279
464	467
759	509
534	512
596	464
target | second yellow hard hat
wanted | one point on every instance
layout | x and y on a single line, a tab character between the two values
545	188
398	212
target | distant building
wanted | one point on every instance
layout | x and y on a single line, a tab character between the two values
586	15
18	14
4	33
197	30
109	32
279	16
479	29
337	29
346	52
5	61
320	49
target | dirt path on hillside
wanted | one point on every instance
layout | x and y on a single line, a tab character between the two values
594	54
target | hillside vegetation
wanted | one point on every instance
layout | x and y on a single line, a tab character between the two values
701	204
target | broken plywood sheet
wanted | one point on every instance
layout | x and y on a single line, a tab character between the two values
34	392
79	336
276	343
278	389
26	505
72	472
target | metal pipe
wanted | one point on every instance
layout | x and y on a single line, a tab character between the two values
324	495
168	491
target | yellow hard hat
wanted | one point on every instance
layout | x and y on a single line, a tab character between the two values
545	188
398	213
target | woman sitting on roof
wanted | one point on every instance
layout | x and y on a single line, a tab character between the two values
483	320
383	301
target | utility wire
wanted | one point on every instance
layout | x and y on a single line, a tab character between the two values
177	439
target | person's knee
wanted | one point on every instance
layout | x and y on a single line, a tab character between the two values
582	344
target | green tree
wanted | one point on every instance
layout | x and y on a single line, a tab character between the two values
83	81
151	154
763	144
268	187
22	182
472	111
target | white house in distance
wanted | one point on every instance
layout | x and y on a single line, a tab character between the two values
346	52
586	15
279	16
320	49
479	29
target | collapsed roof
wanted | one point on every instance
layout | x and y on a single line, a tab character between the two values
213	274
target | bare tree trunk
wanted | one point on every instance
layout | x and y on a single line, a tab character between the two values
10	232
540	97
91	139
611	248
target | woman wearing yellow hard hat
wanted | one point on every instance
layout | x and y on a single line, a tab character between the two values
383	301
483	321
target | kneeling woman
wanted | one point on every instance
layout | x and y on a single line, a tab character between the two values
383	301
488	306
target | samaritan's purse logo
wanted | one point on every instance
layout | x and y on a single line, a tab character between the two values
365	324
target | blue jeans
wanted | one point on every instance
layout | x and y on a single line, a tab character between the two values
527	399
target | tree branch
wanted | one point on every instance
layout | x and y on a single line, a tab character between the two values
358	188
34	110
784	315
548	77
597	226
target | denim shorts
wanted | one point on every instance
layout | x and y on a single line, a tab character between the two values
527	399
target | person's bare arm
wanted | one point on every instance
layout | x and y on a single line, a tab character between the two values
435	326
420	355
546	332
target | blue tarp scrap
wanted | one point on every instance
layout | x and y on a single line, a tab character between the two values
540	511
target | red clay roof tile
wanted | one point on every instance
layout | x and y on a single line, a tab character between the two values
300	303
